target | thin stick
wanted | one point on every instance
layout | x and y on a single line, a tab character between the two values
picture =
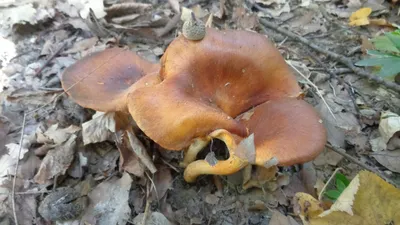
342	152
169	26
16	170
344	60
328	182
314	86
50	59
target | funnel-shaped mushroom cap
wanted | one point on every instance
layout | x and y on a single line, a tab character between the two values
207	83
288	129
101	81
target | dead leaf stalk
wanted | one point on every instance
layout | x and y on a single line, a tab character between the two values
342	59
327	183
58	51
314	86
16	170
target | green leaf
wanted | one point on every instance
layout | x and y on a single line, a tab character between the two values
394	38
332	194
390	65
340	185
384	43
342	178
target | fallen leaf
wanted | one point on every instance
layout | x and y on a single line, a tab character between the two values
55	135
82	45
162	182
389	125
211	199
155	218
96	6
109	202
100	128
57	161
377	144
368	200
280	219
246	149
389	159
9	159
129	161
25	205
328	157
275	12
360	17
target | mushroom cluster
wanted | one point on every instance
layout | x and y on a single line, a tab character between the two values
231	85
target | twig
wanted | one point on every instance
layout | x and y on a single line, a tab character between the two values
147	207
169	26
328	182
50	59
16	169
341	81
170	165
342	152
344	60
140	151
314	86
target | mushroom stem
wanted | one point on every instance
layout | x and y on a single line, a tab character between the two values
224	167
194	149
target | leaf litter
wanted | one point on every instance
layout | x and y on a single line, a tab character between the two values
66	143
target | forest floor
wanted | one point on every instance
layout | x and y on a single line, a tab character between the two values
41	38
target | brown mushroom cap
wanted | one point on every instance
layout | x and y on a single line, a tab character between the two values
207	83
101	80
288	129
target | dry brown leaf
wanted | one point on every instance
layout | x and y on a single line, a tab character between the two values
109	202
389	125
389	159
368	200
55	135
155	218
100	128
57	161
82	45
9	159
328	157
280	219
162	181
128	159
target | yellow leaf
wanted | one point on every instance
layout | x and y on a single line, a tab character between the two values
368	200
360	17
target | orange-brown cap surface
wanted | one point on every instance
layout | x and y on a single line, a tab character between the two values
100	81
288	129
207	83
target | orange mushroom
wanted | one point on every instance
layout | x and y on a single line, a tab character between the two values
102	80
207	83
287	129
